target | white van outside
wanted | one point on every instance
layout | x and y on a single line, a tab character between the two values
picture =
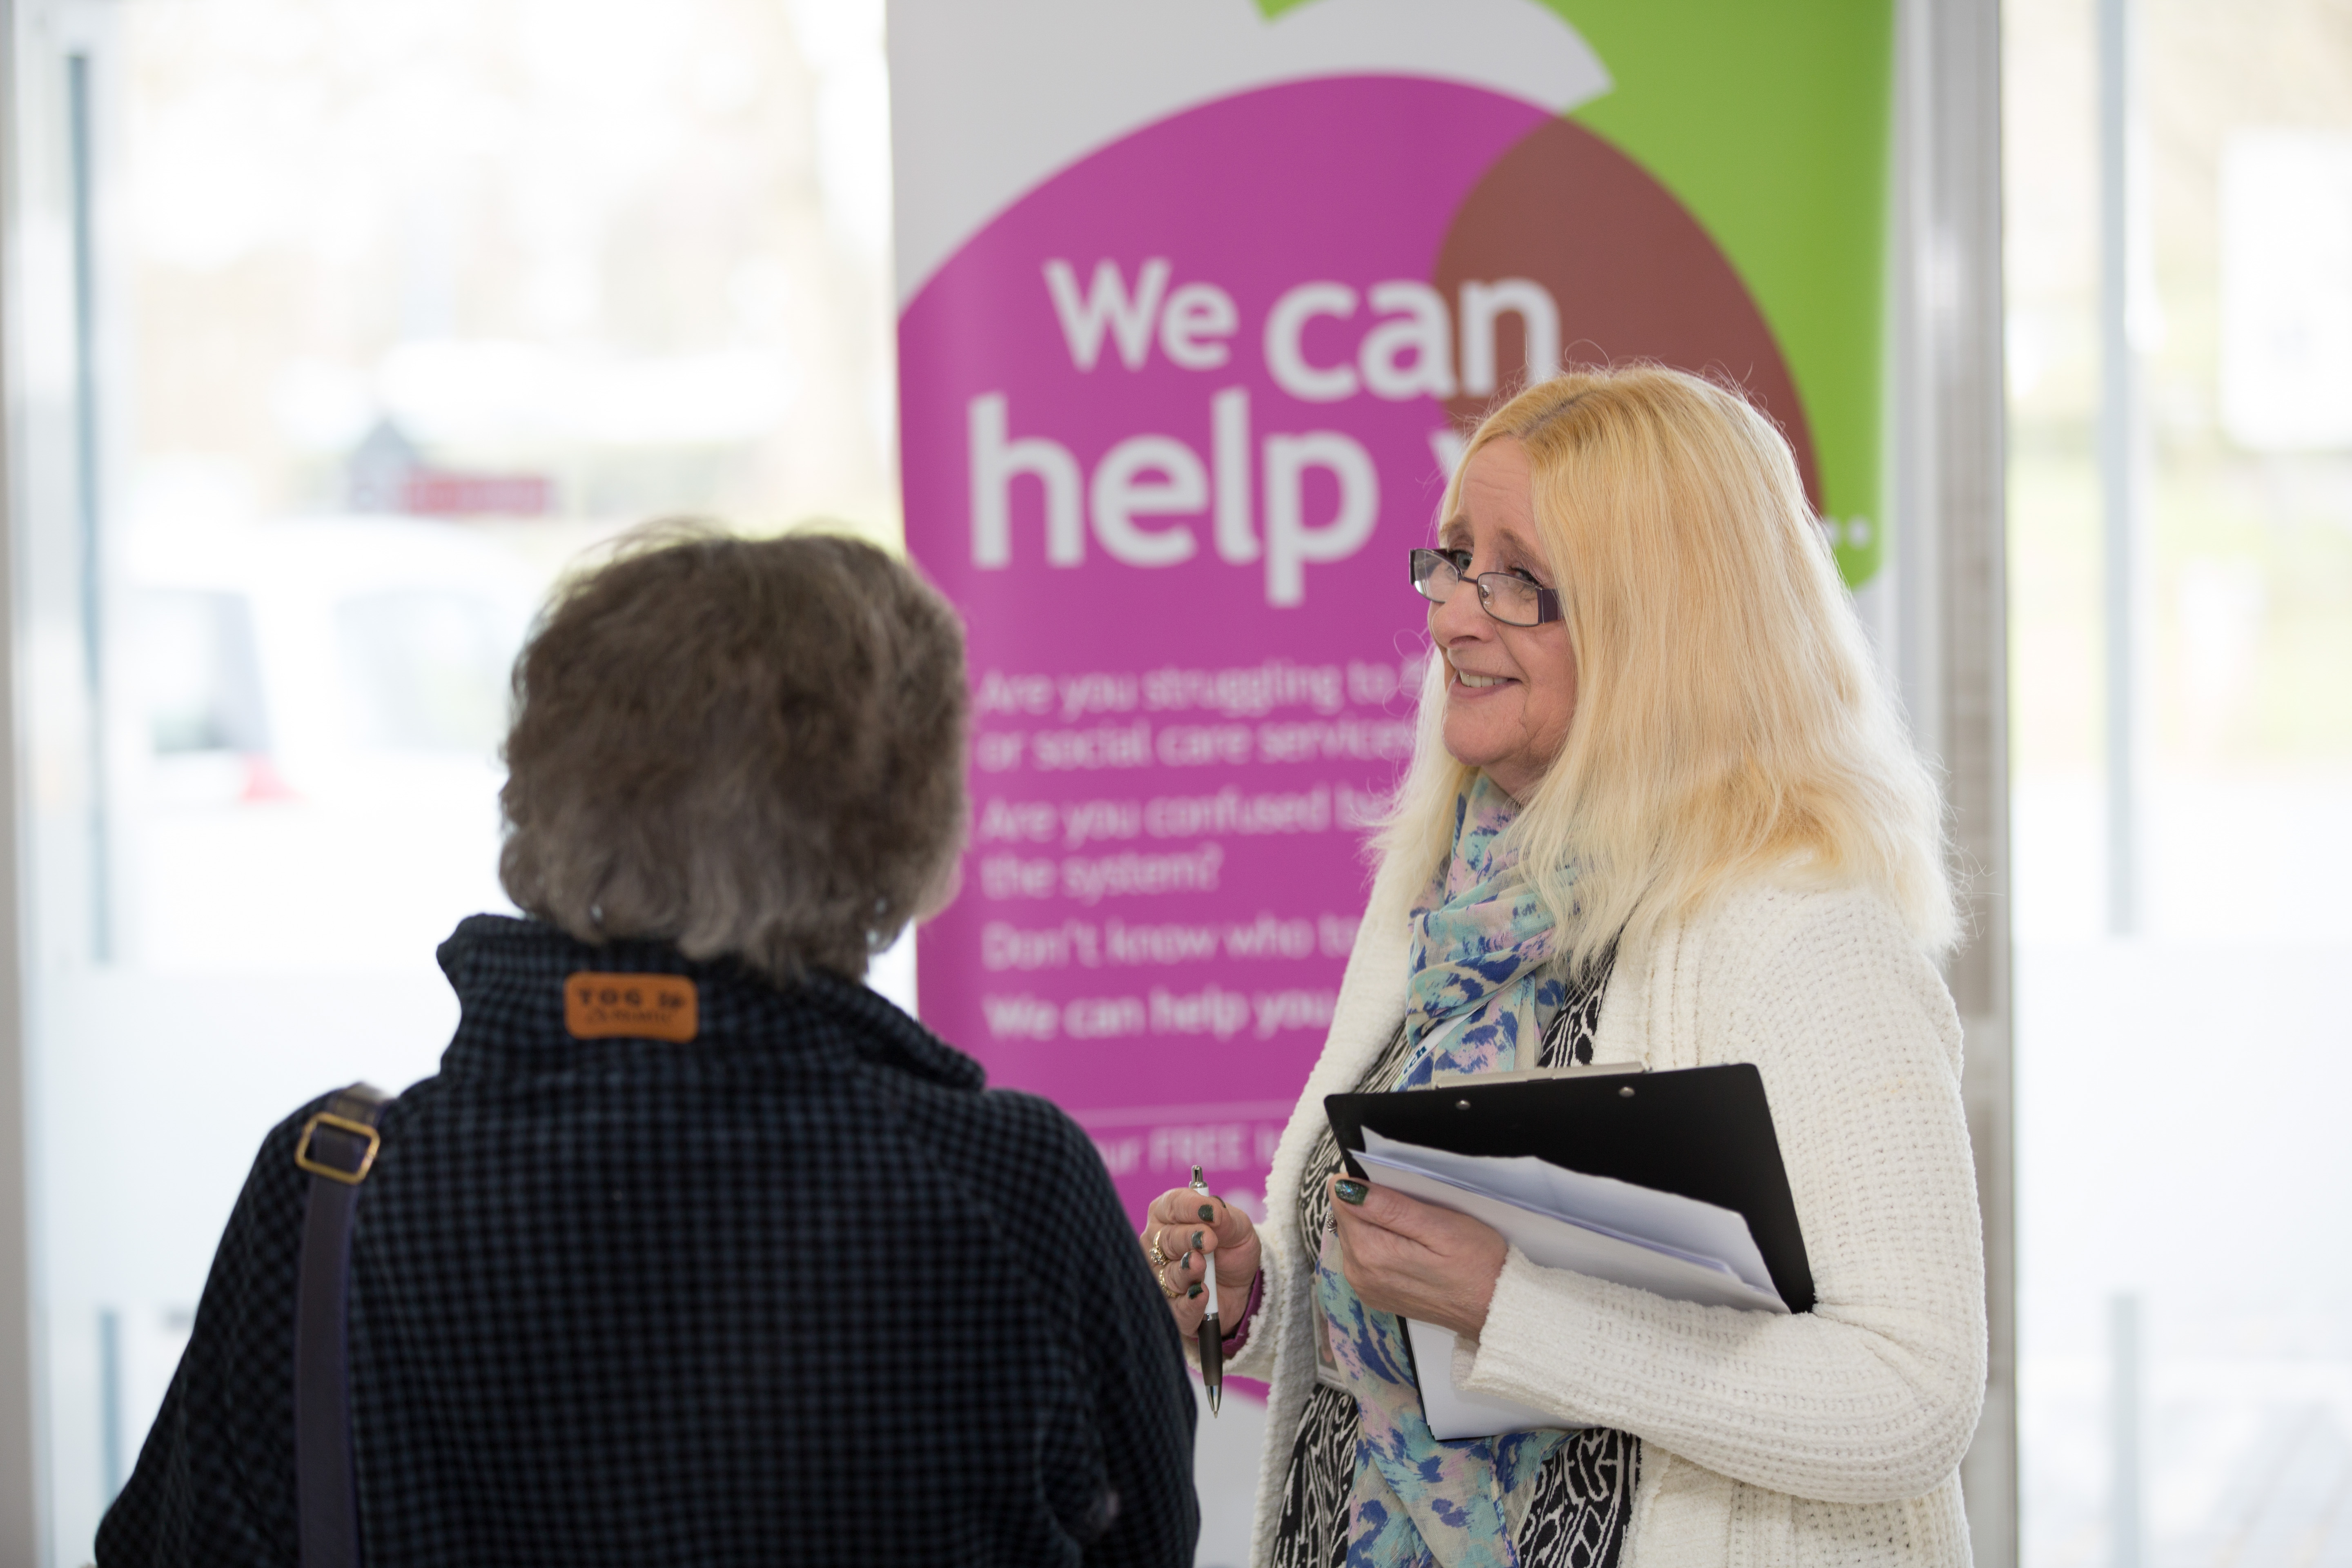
306	764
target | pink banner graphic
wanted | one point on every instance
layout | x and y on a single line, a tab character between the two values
1172	421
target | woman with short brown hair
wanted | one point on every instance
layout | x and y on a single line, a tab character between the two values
675	1260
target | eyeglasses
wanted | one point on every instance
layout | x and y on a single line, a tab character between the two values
1505	596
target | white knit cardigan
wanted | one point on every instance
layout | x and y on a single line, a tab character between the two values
1832	1437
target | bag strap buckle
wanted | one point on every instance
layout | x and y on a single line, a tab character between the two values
350	1176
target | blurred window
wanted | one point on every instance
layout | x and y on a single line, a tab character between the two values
2184	1301
193	659
425	670
393	311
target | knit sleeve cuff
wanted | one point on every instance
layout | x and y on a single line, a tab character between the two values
1235	1340
1539	1323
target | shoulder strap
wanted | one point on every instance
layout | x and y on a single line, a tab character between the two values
338	1148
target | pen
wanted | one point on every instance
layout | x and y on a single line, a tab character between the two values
1213	1337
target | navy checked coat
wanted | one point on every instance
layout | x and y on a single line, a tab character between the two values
800	1292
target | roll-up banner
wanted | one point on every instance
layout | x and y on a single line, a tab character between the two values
1197	301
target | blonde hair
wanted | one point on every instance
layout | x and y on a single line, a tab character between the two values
1730	723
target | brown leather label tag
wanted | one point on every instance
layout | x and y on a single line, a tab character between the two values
638	1006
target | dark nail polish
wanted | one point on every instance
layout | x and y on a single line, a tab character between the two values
1193	1292
1348	1191
1208	1213
1196	1239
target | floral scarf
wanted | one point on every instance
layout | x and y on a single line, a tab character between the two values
1481	942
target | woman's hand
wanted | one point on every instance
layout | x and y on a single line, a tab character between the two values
1197	1232
1416	1259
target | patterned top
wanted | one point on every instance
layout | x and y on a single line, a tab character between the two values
1575	1514
621	1302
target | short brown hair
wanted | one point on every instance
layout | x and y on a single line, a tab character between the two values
748	747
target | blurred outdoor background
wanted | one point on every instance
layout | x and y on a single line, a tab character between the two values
393	312
2180	1084
383	314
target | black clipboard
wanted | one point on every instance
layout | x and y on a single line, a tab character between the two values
1701	1133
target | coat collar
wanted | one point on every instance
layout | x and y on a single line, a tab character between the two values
510	974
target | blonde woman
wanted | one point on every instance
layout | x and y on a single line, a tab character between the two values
1662	811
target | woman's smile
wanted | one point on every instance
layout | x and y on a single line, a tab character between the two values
1477	682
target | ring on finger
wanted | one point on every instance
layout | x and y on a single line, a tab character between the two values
1159	1276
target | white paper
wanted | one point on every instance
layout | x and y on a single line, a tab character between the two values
1643	1214
1679	1248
